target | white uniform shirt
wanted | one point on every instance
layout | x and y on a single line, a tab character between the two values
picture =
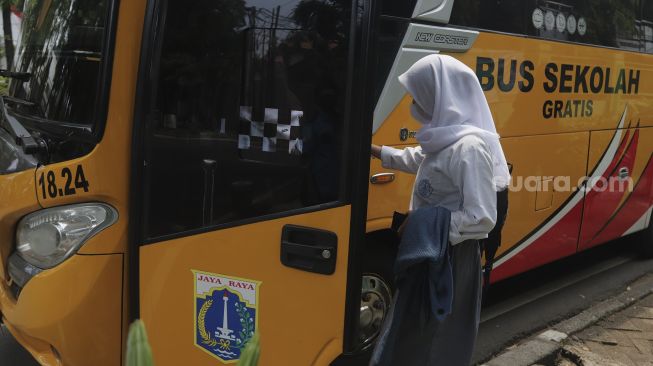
458	177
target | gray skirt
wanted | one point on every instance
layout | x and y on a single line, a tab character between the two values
450	342
454	338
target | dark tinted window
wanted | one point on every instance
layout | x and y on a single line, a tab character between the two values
398	8
646	26
601	22
61	45
390	34
498	15
248	113
613	23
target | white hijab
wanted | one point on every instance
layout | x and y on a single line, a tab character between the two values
450	104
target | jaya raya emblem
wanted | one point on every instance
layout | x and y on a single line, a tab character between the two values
226	314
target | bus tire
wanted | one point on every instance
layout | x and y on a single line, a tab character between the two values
644	241
379	253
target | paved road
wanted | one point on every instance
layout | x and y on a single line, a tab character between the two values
519	306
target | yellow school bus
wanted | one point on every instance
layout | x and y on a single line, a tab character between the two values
204	165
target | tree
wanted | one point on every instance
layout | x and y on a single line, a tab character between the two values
6	27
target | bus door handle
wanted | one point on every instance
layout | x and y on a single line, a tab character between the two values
309	249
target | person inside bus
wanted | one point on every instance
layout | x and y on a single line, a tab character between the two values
460	166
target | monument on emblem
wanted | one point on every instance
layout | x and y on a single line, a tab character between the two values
224	332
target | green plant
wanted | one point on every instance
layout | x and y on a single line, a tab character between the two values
138	349
251	352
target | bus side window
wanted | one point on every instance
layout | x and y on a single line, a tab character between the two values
498	15
610	24
646	26
401	9
624	24
250	111
391	33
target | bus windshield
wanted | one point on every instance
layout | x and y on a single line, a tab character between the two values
61	47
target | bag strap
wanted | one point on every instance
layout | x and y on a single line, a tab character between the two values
490	245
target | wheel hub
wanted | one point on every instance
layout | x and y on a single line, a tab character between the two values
375	304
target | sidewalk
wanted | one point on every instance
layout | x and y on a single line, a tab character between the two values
614	332
622	339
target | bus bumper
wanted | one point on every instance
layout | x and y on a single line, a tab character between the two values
71	314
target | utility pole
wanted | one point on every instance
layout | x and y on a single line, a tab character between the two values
6	26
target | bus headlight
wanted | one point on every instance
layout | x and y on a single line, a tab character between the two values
48	237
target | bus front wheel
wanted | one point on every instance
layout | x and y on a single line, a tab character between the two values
377	285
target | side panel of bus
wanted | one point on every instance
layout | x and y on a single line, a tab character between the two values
526	110
570	116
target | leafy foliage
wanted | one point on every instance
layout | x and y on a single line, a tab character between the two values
250	355
247	323
138	348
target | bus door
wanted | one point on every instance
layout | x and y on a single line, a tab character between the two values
245	202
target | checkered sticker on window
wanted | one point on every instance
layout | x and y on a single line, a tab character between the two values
276	132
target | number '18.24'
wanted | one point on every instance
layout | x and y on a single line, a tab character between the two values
53	186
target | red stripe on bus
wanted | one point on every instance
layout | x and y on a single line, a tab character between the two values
632	210
552	245
603	200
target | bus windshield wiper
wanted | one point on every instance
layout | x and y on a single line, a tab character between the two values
7	99
22	76
29	143
62	132
10	99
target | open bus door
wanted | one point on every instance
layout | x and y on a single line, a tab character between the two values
250	178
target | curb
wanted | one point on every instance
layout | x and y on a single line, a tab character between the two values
547	343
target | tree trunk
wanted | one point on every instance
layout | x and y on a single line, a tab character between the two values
9	40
